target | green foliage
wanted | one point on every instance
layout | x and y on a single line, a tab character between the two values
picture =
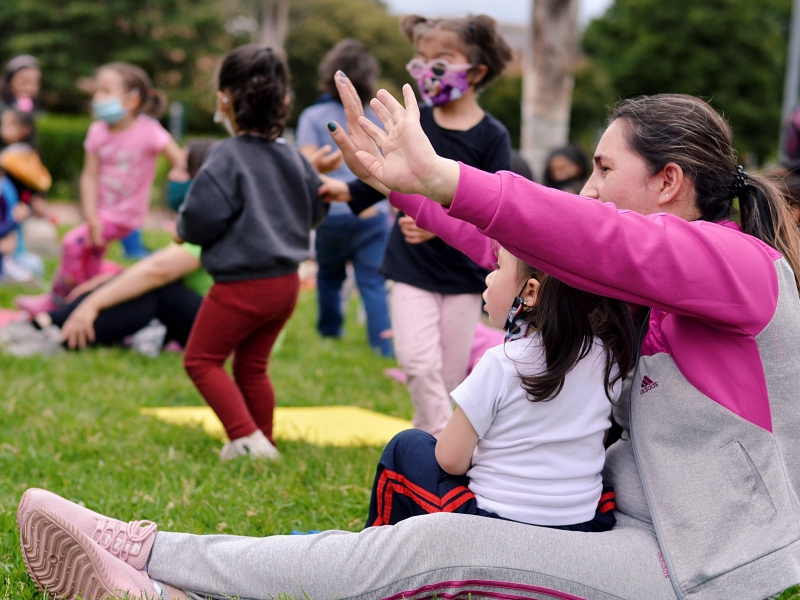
60	140
317	25
503	100
730	52
175	41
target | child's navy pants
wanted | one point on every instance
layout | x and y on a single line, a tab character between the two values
409	482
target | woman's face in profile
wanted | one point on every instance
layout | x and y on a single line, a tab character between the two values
620	176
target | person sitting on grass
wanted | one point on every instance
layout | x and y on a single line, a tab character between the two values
706	473
167	285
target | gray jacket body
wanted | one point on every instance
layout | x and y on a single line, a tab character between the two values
251	208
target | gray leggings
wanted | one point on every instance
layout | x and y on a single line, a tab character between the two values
432	555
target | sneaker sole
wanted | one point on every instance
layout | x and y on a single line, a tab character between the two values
61	562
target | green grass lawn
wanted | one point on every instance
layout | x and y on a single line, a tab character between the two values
70	423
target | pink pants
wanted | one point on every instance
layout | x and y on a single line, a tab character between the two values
80	261
432	340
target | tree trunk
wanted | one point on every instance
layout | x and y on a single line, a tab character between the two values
550	58
274	23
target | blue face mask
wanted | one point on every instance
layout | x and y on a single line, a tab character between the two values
110	110
176	193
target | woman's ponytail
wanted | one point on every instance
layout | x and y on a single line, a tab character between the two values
766	216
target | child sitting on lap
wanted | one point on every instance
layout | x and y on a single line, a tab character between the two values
526	440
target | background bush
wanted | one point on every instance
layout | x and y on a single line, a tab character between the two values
60	140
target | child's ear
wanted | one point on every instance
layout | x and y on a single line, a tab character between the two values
133	101
530	294
477	73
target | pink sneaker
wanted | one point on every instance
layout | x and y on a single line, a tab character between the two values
65	563
130	542
33	305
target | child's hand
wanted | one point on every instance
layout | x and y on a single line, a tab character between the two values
78	330
334	190
323	160
39	206
96	233
412	233
20	212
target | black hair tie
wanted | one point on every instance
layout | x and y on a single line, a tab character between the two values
741	179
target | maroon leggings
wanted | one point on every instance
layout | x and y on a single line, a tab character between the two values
243	318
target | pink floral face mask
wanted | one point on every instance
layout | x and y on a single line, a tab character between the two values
438	81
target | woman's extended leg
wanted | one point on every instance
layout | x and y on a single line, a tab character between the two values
439	554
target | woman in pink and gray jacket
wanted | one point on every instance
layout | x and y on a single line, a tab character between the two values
707	471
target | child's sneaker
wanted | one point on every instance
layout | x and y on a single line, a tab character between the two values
255	445
66	563
130	542
33	305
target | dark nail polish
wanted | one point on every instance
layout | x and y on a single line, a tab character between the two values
331	126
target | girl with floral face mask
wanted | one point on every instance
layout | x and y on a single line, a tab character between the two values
436	296
121	150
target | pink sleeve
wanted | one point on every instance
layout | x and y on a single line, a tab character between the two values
461	235
159	137
697	269
94	137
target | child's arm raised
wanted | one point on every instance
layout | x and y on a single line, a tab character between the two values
456	444
90	176
175	155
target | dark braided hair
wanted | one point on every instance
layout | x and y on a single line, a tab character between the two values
257	80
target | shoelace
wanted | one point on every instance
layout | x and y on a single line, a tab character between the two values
123	539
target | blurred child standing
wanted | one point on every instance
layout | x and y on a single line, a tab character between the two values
251	208
117	178
344	236
436	297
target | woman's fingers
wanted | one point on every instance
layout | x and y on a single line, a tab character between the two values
371	163
382	112
376	133
412	108
391	103
353	107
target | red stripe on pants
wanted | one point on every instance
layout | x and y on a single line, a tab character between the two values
391	483
242	318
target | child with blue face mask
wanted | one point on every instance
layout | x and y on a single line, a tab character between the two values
121	150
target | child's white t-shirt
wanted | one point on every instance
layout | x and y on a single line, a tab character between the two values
536	462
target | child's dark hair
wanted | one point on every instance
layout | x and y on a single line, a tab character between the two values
27	120
354	59
482	41
196	152
152	102
573	154
568	320
14	66
257	80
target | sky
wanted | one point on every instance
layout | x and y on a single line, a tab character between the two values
505	11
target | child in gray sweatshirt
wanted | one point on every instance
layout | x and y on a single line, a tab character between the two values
251	208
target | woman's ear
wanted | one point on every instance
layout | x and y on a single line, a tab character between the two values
671	185
530	293
476	74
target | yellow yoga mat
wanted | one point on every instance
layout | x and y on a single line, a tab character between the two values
320	425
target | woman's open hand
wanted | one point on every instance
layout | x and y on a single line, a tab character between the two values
353	138
408	162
